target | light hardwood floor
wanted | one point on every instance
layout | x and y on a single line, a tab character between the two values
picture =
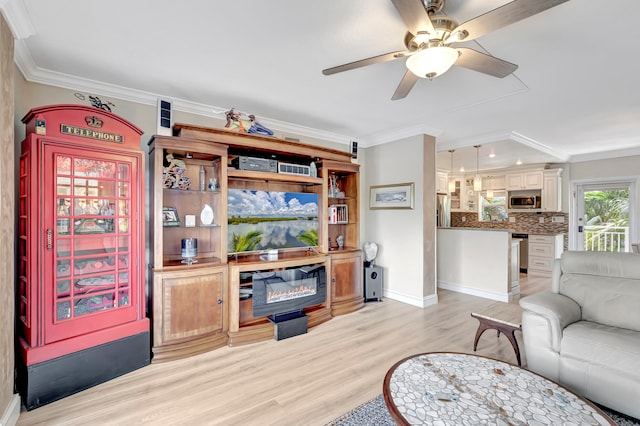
306	380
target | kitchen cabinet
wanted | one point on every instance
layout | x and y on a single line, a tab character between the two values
469	196
442	183
543	249
80	252
552	191
524	180
458	195
494	182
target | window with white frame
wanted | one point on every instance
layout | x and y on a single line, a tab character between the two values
493	206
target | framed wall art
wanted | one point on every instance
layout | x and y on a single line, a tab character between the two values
395	196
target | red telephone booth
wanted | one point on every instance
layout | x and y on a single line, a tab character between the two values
81	284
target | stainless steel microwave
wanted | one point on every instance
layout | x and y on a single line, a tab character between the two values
524	201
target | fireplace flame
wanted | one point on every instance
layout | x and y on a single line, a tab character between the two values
294	293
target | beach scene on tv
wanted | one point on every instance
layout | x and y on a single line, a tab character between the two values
266	220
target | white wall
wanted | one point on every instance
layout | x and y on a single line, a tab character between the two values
475	261
401	234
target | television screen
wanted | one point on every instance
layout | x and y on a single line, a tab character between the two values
265	220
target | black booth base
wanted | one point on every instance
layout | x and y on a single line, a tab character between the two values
289	325
54	379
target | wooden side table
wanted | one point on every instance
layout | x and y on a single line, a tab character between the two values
504	317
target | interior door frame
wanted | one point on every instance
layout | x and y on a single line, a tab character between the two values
577	186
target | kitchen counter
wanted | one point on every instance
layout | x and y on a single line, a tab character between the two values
477	229
478	261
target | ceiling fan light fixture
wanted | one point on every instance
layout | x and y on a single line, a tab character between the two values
432	62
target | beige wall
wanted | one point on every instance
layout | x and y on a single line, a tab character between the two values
597	169
7	246
405	238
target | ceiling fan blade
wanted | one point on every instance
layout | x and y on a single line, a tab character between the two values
364	62
414	15
501	17
481	62
408	81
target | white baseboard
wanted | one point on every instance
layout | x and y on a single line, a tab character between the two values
412	300
12	412
472	291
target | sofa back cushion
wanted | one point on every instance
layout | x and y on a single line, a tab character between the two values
605	285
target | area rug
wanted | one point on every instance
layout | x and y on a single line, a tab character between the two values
375	413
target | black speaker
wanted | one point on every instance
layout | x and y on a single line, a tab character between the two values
164	117
373	283
354	149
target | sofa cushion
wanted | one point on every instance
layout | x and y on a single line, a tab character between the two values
616	348
605	285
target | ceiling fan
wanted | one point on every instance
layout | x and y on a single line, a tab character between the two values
431	33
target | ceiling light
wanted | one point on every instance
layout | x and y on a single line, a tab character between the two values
477	180
432	61
452	182
492	155
519	162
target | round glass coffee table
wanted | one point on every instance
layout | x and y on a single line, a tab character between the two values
442	388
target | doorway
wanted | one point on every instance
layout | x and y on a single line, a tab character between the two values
604	215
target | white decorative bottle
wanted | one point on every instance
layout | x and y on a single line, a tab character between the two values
202	183
206	215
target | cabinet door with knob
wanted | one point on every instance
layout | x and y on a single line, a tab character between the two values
346	282
189	311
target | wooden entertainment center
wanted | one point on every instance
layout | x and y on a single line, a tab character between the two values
196	303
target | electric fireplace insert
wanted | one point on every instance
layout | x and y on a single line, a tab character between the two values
288	290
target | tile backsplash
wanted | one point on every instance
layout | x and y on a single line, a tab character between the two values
525	223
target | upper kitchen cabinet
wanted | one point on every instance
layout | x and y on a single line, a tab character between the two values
551	191
441	183
524	180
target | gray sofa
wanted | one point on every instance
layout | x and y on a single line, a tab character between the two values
585	333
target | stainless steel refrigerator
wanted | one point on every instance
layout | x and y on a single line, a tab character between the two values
443	210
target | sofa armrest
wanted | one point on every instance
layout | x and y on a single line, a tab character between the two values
558	310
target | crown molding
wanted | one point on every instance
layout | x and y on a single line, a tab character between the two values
517	137
605	155
35	74
17	18
503	136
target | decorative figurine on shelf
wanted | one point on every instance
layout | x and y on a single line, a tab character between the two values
235	123
213	184
172	174
333	186
258	128
340	241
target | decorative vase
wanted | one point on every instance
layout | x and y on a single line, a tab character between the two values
206	215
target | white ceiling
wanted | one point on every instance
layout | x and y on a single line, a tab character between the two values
573	97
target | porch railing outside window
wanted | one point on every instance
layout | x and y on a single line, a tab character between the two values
606	238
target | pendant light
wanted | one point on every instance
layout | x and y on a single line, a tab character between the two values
452	181
477	180
489	196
